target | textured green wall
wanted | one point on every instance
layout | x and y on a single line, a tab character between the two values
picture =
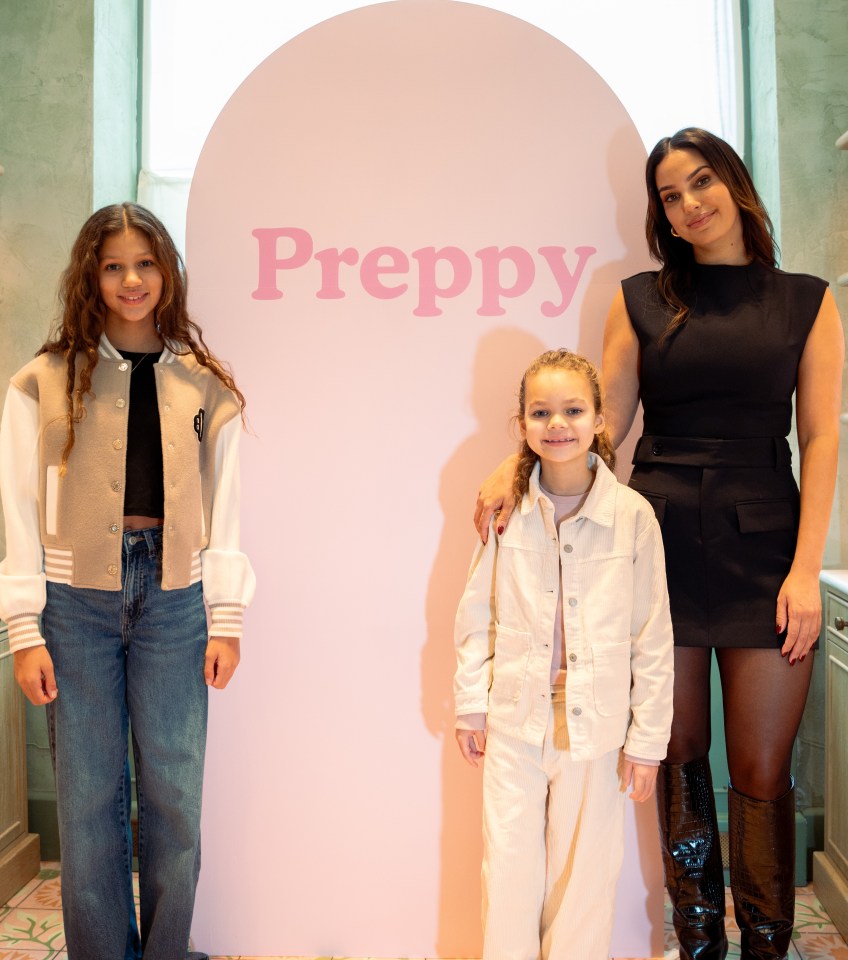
68	76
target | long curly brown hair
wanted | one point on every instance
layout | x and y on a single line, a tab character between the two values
83	314
561	359
675	256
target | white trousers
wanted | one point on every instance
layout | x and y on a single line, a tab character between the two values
553	837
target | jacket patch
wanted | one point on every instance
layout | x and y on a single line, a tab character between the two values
198	423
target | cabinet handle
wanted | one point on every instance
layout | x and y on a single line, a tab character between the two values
839	623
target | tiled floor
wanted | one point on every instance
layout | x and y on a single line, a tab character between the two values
31	925
815	936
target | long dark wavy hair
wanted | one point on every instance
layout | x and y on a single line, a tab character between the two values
83	314
561	359
675	256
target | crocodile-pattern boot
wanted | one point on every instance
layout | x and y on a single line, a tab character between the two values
692	858
762	872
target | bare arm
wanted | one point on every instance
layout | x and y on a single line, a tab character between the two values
496	496
817	404
621	370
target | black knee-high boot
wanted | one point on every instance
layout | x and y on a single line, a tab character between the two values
762	872
692	857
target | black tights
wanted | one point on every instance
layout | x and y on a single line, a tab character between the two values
763	697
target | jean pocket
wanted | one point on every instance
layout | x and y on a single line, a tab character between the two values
765	516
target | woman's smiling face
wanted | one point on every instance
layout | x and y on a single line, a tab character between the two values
699	207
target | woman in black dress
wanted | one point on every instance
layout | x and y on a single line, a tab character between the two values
714	344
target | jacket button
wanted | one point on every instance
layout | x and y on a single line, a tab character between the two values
656	449
568	548
572	657
117	443
577	711
123	366
170	446
572	601
112	569
114	528
120	403
116	485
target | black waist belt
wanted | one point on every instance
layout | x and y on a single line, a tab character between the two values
708	452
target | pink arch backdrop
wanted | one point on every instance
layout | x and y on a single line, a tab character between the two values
391	217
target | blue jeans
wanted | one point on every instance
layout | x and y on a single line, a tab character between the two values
130	656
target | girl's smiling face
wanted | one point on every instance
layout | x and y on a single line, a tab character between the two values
699	207
130	281
560	421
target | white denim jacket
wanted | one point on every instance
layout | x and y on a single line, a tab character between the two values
619	648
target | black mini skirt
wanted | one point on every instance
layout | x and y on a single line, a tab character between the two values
728	510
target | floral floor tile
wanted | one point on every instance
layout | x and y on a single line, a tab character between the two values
30	955
821	946
27	929
46	896
810	916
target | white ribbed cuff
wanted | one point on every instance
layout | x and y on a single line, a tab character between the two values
24	632
227	620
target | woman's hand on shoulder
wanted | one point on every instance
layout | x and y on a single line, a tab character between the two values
35	676
799	614
496	497
222	658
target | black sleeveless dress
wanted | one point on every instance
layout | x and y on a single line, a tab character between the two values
713	459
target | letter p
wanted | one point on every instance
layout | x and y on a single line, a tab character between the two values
270	263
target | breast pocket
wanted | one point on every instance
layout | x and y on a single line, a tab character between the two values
765	516
512	654
611	678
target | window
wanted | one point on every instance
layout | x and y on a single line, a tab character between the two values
672	63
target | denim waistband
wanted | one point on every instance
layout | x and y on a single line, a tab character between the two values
709	452
148	538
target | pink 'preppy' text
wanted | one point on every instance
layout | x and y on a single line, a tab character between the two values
436	274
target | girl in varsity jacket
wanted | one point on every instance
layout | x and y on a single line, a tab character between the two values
123	585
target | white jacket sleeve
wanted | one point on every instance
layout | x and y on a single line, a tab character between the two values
474	632
22	580
652	649
228	579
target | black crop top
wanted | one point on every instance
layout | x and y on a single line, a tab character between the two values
144	493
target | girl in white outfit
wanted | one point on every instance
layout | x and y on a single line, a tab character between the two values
564	657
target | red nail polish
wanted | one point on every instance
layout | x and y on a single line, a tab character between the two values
777	628
500	530
792	663
801	658
783	653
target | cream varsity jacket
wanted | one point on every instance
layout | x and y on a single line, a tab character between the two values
619	649
69	529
